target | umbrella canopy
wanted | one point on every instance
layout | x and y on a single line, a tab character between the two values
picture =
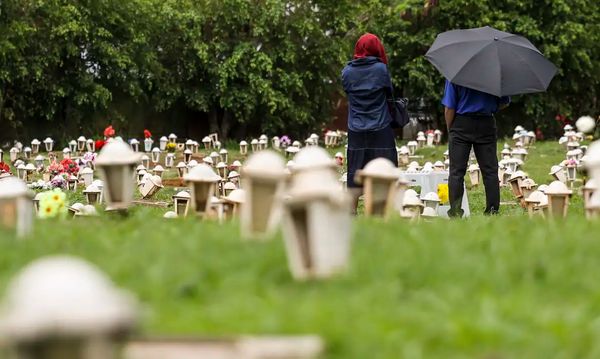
491	61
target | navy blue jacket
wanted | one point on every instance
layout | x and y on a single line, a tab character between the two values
367	84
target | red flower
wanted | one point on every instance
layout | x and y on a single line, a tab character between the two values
4	167
539	134
147	134
69	166
109	132
563	119
100	144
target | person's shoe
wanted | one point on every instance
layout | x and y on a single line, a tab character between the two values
492	211
456	213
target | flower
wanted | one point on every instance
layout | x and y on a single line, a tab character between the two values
443	193
171	147
147	134
109	132
59	182
69	166
40	184
285	140
4	168
539	135
55	168
52	204
100	144
87	157
562	119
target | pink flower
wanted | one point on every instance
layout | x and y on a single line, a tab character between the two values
55	168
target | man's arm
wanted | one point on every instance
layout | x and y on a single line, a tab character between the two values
449	114
450	102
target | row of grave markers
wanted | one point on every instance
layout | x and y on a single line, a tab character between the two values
120	170
553	200
306	195
265	190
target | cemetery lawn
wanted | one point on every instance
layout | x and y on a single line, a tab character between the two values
500	287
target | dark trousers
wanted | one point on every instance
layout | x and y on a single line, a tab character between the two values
477	132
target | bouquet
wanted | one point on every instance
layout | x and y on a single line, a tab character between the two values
69	166
52	204
147	134
55	168
40	185
59	181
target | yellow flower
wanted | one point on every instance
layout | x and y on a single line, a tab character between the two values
52	204
443	193
171	147
48	210
58	196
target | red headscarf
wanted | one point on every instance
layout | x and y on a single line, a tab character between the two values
370	45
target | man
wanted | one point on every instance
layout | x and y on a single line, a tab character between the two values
471	124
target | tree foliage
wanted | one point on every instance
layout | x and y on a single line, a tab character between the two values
269	64
259	65
566	31
62	60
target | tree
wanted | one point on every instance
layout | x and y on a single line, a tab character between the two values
566	31
257	65
60	61
267	64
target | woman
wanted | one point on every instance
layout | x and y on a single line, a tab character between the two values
367	83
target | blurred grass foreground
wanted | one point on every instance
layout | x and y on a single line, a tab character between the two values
500	287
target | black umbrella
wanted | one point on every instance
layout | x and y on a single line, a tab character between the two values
491	61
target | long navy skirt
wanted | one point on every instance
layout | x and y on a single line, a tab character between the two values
366	146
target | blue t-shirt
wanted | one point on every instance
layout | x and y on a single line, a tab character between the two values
465	100
367	83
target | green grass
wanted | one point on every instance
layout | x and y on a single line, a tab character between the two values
500	287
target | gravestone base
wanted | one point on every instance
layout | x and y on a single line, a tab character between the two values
303	347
